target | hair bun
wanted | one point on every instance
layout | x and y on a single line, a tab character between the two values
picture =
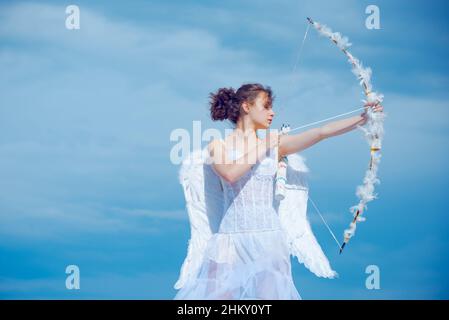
222	104
225	104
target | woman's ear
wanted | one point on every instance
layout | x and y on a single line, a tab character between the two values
245	107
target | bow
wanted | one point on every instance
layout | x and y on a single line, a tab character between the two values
373	130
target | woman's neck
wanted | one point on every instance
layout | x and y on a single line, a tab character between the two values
245	130
244	137
248	133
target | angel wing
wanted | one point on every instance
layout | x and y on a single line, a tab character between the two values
292	211
203	193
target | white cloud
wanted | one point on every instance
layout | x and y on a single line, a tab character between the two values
103	100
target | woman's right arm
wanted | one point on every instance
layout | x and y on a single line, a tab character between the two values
232	170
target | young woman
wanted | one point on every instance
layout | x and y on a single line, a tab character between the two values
248	258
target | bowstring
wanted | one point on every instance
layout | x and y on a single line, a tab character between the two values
324	221
327	119
300	49
313	123
297	60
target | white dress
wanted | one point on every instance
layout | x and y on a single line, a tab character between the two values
248	258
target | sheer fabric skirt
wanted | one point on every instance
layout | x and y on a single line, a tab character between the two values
244	265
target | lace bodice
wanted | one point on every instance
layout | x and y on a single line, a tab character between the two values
248	202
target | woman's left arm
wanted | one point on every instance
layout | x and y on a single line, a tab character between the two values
289	144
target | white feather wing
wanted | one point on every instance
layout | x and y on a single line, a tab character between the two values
292	211
204	203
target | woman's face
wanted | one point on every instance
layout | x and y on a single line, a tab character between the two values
261	112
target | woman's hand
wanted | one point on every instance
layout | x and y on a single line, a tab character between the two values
376	107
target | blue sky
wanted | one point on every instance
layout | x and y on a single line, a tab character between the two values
86	116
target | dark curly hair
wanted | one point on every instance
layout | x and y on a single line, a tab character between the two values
226	102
